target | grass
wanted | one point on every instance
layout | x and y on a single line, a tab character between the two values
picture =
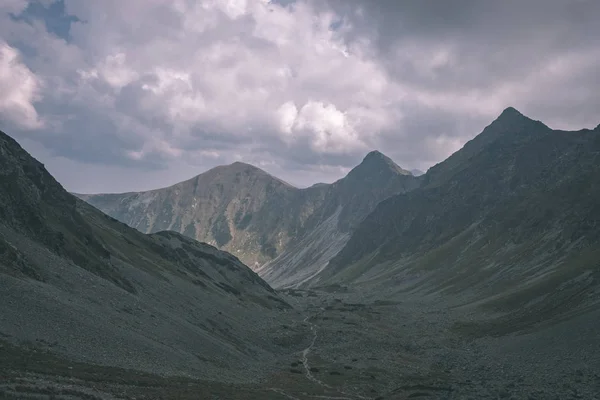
543	302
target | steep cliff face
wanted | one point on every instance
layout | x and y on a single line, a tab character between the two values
257	217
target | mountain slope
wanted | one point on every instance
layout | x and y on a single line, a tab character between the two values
259	218
346	202
87	287
226	206
513	219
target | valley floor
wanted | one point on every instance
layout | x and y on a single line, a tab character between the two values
344	346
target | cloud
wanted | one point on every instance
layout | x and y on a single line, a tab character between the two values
13	6
470	56
304	88
327	129
19	89
189	74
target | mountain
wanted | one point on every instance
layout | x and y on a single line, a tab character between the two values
341	207
84	287
417	172
511	220
482	282
238	207
264	221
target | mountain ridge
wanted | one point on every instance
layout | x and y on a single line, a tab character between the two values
509	126
243	209
234	166
505	222
240	164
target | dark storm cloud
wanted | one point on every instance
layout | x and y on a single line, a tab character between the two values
467	60
486	43
556	23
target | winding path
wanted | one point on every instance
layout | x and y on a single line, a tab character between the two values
307	351
312	378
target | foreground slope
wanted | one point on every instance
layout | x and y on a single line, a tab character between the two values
271	226
87	287
512	219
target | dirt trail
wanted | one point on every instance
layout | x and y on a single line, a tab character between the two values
309	375
307	351
312	378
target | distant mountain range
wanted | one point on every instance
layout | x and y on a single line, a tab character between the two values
285	233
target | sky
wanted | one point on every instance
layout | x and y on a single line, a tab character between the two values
117	96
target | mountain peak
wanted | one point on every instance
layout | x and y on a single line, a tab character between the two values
245	168
374	163
511	112
242	165
512	121
375	154
237	166
511	116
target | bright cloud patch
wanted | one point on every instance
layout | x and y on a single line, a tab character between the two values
226	68
19	88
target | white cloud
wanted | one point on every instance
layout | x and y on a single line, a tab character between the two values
226	66
19	89
154	147
114	71
327	128
288	112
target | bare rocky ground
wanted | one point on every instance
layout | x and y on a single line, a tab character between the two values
343	345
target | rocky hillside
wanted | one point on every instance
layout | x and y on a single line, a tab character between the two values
80	284
227	206
259	218
343	206
512	219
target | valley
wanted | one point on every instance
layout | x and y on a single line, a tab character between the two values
477	280
346	345
299	200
